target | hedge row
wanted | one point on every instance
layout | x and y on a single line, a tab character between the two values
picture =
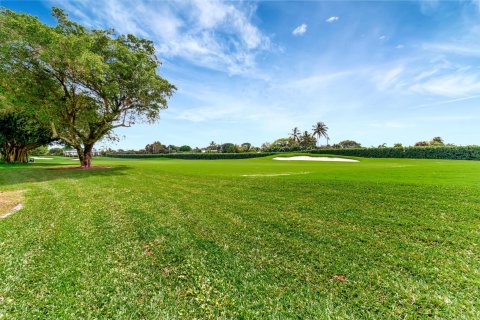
451	153
198	156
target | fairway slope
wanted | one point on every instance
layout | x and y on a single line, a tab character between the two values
194	239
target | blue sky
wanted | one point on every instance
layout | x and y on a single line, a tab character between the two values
376	72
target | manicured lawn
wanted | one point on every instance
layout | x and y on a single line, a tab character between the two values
168	239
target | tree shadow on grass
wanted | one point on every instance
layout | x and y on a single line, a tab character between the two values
33	173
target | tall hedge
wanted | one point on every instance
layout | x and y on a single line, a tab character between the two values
193	156
452	153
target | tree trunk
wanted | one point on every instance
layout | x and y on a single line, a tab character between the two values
13	153
87	156
80	154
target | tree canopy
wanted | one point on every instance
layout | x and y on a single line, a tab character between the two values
349	144
20	133
83	83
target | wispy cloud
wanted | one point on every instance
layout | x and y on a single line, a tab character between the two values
451	85
301	29
388	78
455	48
437	103
212	34
332	19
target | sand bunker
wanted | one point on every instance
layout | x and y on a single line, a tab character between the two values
308	158
41	158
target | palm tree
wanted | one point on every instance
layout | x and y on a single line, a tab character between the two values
320	130
295	134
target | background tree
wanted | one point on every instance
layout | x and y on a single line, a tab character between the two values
422	144
185	148
228	148
349	144
398	145
246	146
307	140
437	141
56	151
39	151
155	148
90	81
320	130
283	143
295	135
172	148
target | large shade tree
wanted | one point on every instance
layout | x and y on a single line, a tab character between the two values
85	83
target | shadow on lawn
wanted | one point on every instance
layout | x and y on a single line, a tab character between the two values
32	173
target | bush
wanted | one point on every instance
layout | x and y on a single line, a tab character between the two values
193	156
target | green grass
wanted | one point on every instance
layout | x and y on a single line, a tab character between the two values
169	239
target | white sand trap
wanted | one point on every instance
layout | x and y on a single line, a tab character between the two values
75	159
41	158
308	158
274	174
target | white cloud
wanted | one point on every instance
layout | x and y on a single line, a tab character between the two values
399	46
209	33
332	19
301	29
450	85
382	37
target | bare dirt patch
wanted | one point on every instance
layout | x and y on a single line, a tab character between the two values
80	168
10	202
